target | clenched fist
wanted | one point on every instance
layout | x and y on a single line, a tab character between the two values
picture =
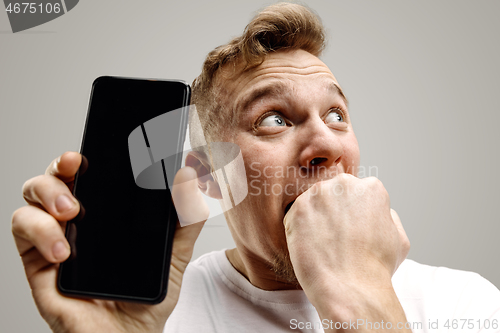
345	243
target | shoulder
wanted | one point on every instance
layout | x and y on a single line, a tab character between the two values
201	291
414	275
204	268
445	291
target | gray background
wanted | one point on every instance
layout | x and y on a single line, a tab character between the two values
422	79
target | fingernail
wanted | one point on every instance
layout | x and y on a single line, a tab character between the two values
63	203
60	251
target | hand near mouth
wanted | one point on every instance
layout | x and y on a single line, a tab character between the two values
345	244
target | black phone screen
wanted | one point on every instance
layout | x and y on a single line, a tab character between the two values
121	241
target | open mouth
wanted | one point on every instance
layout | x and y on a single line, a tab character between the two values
287	208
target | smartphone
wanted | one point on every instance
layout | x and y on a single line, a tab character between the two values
121	241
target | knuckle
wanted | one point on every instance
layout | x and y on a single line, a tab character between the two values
385	196
405	242
318	187
16	220
28	223
39	187
378	187
299	201
374	181
33	186
395	217
406	245
341	183
28	185
45	181
344	177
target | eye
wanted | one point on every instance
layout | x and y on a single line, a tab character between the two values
273	120
334	116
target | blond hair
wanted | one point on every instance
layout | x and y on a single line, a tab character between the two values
277	27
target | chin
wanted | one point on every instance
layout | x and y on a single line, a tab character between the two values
282	267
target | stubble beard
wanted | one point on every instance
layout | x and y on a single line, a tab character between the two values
283	268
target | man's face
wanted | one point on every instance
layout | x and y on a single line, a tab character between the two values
294	130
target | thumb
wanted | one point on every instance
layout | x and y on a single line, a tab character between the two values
188	199
192	211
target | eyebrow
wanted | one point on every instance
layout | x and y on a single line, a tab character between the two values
278	89
335	88
270	90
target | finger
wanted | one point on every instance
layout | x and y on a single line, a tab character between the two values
34	228
188	199
53	195
402	234
65	166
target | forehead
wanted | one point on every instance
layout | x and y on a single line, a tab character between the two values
281	73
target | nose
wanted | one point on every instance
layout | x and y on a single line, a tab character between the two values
321	146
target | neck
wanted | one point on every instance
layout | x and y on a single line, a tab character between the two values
257	272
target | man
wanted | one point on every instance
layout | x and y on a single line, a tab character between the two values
317	248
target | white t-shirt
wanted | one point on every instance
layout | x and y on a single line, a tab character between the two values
215	297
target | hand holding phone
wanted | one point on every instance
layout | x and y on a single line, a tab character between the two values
39	236
37	229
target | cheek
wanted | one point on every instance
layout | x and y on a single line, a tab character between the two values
263	170
262	158
351	156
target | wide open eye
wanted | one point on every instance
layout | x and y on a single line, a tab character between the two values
334	116
273	120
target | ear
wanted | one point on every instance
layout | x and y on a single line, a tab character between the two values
206	182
